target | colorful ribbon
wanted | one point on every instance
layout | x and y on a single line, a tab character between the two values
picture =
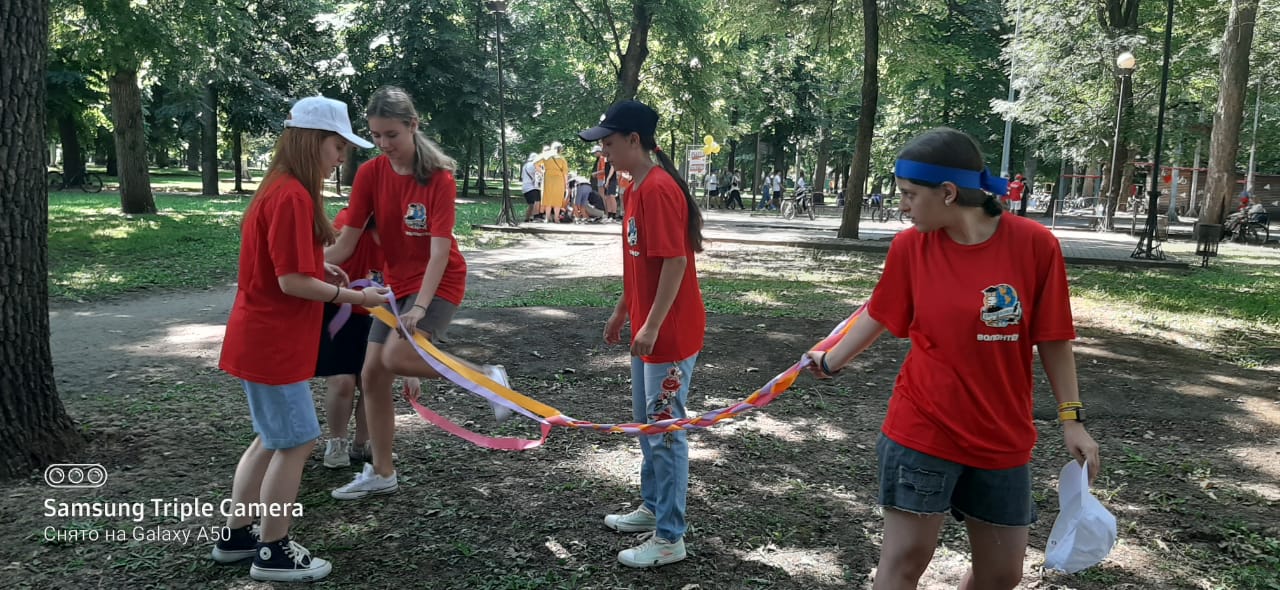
547	416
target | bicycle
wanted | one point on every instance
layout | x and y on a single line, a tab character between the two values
86	181
799	199
890	211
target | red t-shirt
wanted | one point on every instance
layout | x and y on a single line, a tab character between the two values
1015	190
655	227
366	260
408	215
973	314
273	338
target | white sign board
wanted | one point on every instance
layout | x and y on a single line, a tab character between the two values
697	163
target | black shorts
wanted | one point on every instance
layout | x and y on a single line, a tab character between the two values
533	196
344	353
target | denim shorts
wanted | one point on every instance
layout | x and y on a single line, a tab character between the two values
914	482
284	416
439	316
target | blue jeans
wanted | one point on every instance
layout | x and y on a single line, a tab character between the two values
659	392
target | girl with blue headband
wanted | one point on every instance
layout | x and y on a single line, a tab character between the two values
975	290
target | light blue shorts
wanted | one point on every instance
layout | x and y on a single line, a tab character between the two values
284	416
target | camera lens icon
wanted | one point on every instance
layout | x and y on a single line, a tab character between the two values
75	475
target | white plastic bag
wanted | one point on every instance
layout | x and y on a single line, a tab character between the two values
1085	531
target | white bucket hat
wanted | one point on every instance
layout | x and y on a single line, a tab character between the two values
327	114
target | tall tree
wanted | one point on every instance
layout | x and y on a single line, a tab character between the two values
118	36
637	51
1224	143
866	119
34	426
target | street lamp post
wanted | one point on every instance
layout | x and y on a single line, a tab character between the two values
507	216
1147	247
1008	120
1125	63
1253	146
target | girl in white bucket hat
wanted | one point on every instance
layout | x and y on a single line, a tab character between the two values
283	281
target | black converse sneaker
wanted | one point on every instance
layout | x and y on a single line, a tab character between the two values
287	561
240	544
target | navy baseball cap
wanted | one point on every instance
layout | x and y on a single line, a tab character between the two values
624	117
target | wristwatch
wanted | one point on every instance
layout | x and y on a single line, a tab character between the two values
1076	414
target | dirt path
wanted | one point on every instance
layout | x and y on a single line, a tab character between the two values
145	338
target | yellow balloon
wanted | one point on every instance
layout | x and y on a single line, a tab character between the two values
708	139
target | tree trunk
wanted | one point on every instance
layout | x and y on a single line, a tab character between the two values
637	51
1119	19
820	167
757	179
866	119
350	166
209	141
72	154
34	425
1224	143
237	155
480	167
131	143
193	153
1029	166
466	168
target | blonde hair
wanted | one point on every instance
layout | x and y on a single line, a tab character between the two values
298	153
392	102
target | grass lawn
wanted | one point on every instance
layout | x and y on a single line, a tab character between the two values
193	242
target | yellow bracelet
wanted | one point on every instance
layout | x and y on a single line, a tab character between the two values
1067	405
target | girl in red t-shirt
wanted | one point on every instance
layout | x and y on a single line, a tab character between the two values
974	290
662	229
409	192
272	338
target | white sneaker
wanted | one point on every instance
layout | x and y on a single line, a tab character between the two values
639	520
367	483
337	453
499	374
655	551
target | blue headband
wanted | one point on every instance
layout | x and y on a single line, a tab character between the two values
960	177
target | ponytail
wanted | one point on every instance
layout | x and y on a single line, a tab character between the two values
992	207
428	158
695	214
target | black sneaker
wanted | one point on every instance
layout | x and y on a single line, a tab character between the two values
287	561
241	544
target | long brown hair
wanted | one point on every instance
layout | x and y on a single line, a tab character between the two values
392	102
298	154
694	228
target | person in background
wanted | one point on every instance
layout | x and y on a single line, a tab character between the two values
529	183
1014	199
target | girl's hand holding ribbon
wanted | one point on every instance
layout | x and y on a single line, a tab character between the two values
374	296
